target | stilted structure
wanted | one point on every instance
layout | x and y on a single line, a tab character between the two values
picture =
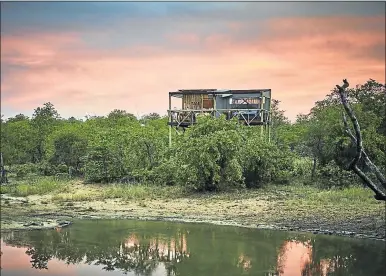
251	107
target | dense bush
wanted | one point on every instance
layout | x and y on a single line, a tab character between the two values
210	162
215	154
23	170
302	167
331	175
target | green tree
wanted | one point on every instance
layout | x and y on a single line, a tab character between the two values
67	145
44	120
18	140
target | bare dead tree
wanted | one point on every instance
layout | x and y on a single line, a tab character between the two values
360	152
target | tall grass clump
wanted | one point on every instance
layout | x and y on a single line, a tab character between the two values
142	192
38	186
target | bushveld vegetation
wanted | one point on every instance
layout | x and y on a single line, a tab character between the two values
213	155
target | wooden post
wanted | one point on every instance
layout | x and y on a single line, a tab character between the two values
269	120
202	102
262	125
214	105
170	120
269	127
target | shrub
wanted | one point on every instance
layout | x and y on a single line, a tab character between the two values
102	165
263	162
302	167
46	169
165	174
331	175
24	170
209	162
62	168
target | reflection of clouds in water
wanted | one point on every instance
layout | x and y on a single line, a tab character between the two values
295	257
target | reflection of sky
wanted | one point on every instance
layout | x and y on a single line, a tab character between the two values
92	57
15	262
295	255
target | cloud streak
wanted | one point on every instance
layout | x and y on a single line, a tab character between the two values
134	61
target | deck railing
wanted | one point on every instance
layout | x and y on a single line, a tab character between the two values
185	117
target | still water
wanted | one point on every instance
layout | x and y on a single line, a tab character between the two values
122	247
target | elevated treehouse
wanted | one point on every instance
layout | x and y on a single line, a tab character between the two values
250	107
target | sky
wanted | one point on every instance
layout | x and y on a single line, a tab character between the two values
93	57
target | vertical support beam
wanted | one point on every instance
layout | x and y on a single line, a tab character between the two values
269	120
261	131
262	126
214	105
262	116
202	102
269	127
170	120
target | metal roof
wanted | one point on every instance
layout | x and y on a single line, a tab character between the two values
181	92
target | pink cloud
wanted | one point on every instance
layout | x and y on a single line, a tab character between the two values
301	60
185	38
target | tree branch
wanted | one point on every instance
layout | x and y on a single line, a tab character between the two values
379	195
350	113
368	162
348	130
357	139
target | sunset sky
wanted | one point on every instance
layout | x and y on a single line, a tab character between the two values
93	57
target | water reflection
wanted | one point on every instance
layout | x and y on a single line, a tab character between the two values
159	248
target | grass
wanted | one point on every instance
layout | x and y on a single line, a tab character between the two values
293	205
143	192
359	195
38	186
65	197
125	192
294	198
334	204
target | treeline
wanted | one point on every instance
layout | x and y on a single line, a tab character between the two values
214	154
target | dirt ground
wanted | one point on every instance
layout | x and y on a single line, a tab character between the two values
279	210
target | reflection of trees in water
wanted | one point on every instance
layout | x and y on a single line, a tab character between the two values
211	250
141	257
39	259
333	256
144	256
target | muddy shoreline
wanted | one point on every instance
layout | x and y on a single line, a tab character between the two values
60	221
18	214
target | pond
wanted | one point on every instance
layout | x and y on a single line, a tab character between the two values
118	247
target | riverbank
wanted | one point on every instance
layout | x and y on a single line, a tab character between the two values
352	211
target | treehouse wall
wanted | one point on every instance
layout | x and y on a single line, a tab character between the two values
206	101
222	102
197	101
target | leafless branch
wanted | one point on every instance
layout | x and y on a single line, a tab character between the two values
381	178
357	140
348	130
350	113
379	195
